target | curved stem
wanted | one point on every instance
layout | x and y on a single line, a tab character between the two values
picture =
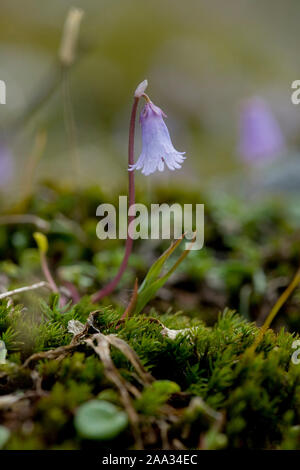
47	273
280	302
106	290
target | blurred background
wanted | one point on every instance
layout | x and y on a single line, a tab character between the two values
202	60
222	72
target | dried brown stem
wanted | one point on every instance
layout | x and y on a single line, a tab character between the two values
102	348
38	285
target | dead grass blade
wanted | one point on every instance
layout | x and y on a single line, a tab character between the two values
102	349
132	357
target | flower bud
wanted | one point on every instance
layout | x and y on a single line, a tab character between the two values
70	36
141	88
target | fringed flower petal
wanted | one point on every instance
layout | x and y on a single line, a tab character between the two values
157	147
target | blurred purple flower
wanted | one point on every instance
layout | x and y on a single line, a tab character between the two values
260	137
157	149
6	166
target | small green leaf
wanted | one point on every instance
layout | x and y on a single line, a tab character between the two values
156	267
152	282
99	419
4	436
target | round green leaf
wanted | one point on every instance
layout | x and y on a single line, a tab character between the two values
99	419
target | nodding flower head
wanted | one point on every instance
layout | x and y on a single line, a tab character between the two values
260	139
157	148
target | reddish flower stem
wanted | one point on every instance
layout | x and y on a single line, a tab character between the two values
47	273
108	289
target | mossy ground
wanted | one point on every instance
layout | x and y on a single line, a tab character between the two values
206	392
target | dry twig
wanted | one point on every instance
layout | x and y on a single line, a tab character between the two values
102	348
24	289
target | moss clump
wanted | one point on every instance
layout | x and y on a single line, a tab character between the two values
243	403
194	389
251	251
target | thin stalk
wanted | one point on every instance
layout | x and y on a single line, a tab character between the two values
108	289
30	168
280	302
70	124
47	273
132	303
33	160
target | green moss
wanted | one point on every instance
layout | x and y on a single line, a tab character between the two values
256	396
205	389
156	395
